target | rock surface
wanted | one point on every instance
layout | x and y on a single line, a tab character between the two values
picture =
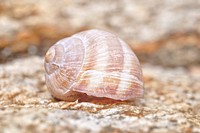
171	103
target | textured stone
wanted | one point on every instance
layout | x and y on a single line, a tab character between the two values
171	103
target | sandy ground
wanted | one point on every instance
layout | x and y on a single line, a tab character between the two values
171	103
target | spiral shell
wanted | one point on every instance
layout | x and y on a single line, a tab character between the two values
94	62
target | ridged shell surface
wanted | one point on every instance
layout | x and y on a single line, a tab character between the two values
94	62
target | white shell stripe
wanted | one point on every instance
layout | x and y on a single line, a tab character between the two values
123	84
96	78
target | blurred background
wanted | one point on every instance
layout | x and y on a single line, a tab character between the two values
163	32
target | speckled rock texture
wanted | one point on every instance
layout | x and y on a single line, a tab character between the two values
171	103
30	26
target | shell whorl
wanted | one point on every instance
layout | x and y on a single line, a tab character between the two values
94	62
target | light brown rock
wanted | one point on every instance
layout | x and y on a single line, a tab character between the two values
171	103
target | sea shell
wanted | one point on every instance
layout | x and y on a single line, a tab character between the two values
94	62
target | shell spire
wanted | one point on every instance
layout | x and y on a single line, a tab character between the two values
94	62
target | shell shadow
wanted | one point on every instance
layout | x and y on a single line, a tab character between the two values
96	100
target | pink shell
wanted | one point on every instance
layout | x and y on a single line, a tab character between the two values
94	62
